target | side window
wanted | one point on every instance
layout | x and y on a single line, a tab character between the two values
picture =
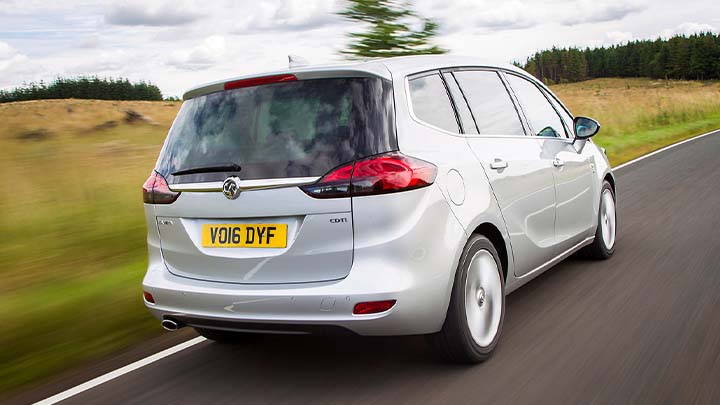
430	102
466	118
541	116
566	117
490	103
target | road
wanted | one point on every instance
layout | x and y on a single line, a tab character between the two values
642	327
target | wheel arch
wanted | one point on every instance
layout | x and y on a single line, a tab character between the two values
610	179
491	232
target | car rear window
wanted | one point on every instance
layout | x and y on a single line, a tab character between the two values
293	129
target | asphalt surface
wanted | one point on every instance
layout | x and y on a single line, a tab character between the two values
642	327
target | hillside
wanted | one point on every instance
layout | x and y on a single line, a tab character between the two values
74	249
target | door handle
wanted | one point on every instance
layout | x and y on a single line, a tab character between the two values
558	162
498	164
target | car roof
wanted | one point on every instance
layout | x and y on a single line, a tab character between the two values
385	68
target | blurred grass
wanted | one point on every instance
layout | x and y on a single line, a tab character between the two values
73	249
642	115
73	252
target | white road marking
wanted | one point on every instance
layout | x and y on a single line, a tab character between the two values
120	372
192	342
694	138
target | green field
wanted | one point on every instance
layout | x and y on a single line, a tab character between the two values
73	251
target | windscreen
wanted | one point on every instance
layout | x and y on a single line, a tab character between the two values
293	129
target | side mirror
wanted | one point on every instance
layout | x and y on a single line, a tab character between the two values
585	127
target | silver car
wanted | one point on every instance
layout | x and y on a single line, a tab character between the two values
399	196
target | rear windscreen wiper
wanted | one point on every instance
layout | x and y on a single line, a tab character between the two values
226	167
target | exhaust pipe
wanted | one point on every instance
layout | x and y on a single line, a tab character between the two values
170	325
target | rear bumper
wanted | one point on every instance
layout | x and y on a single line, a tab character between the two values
420	307
329	303
394	258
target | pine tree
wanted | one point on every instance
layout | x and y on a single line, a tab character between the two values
388	32
84	88
682	57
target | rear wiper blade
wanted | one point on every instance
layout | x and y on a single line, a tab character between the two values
226	167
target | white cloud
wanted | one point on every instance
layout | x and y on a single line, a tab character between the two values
286	15
486	16
213	49
153	13
6	51
593	11
182	43
508	15
13	64
305	14
619	37
10	58
688	28
90	41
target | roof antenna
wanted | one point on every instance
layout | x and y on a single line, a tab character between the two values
295	61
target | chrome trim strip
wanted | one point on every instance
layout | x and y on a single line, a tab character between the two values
192	187
245	185
558	258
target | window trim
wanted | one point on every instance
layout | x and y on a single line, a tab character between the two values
543	92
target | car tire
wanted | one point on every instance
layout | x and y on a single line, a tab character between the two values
605	235
223	336
478	295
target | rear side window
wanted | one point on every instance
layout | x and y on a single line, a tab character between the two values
430	102
294	129
491	105
541	116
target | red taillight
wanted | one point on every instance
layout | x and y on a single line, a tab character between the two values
379	174
373	307
258	81
148	297
156	190
389	173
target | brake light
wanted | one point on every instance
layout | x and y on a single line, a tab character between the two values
373	307
381	174
258	81
156	190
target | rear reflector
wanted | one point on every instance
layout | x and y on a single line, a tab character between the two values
157	191
373	307
259	81
381	174
148	297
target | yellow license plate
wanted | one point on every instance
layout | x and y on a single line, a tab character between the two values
244	235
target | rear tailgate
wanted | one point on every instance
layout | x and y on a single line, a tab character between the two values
270	138
318	246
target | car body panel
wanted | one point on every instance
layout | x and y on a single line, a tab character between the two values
525	191
575	187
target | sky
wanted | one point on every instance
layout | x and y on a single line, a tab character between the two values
178	44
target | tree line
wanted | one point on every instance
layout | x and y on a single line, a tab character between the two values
694	57
90	87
